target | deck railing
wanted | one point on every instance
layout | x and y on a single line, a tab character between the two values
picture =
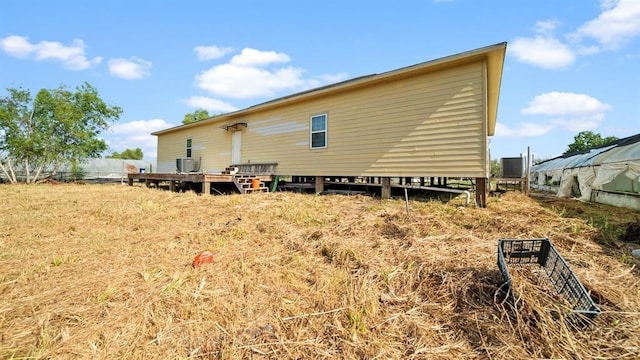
256	168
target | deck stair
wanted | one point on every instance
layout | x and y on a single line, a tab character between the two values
244	184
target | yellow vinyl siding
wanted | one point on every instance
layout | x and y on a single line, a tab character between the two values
427	125
213	147
168	150
430	124
208	143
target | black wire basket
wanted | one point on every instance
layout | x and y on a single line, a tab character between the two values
541	253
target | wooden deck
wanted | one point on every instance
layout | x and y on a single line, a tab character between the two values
174	179
244	183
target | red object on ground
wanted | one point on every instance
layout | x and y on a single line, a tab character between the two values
204	257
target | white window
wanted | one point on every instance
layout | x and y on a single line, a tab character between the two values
319	131
188	148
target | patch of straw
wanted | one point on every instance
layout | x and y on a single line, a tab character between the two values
104	271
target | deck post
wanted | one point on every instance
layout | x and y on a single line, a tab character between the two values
130	181
421	181
481	192
172	185
319	184
386	188
206	187
527	172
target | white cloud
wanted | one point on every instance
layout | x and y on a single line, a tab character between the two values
17	46
239	82
71	56
324	79
541	51
331	79
579	123
211	52
608	4
560	103
131	69
136	134
546	27
255	73
569	111
252	57
587	50
525	129
210	104
147	143
139	126
617	24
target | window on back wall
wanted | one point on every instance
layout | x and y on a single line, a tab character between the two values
188	148
319	131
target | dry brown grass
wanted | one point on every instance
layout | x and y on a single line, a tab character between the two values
104	271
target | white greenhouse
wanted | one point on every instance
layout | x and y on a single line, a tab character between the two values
96	170
607	174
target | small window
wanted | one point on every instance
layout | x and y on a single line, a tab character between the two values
319	131
188	148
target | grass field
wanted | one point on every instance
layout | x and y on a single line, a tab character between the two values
104	271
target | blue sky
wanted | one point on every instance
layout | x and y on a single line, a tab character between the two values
570	65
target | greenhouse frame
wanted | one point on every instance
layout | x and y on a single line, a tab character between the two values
607	174
93	170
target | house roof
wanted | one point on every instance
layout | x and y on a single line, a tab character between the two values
493	55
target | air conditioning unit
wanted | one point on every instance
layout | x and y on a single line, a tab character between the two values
512	167
185	165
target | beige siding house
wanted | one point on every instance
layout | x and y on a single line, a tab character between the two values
430	119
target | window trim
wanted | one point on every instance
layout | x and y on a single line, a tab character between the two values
189	147
325	131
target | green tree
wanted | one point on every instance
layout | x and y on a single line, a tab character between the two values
132	154
495	168
195	116
587	140
77	171
58	126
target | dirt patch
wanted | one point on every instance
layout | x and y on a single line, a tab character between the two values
632	233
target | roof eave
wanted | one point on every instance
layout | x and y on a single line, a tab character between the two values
495	65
